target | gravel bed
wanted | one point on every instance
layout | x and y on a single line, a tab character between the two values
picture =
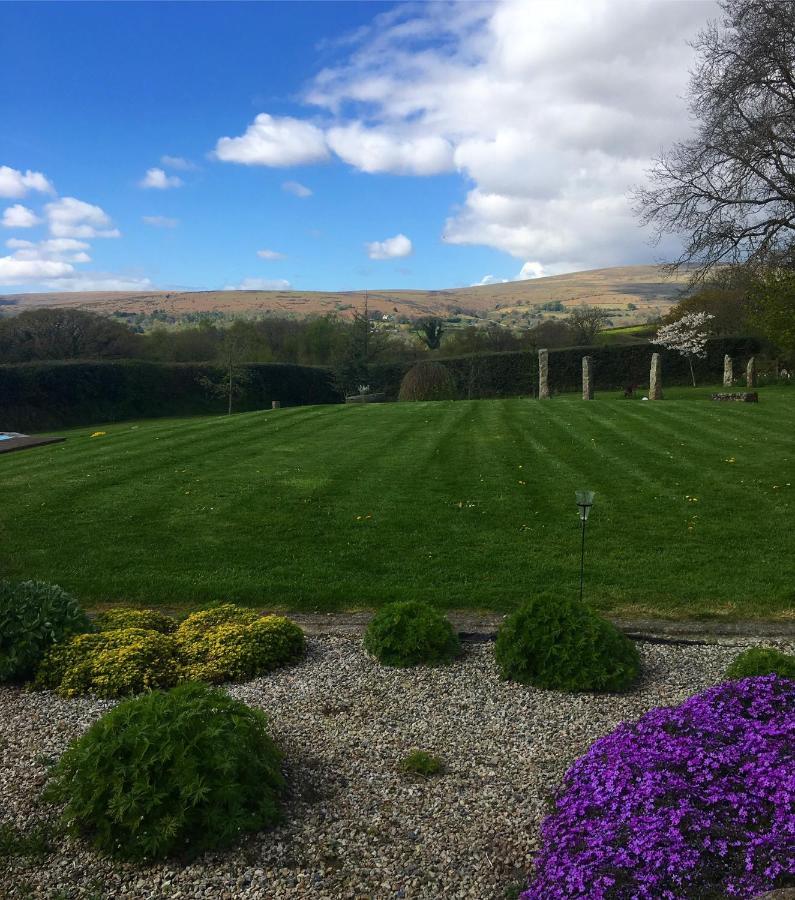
355	827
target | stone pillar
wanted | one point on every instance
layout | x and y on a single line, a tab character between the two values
276	404
655	378
750	373
728	372
543	374
587	378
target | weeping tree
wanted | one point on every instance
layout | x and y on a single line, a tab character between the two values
730	189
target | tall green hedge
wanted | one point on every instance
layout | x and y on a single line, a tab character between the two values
38	396
515	373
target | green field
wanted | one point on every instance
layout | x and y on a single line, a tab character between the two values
468	504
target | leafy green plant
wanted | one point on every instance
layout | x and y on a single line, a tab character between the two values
220	614
35	842
428	380
420	762
34	615
110	663
177	772
762	661
235	651
561	645
411	633
125	617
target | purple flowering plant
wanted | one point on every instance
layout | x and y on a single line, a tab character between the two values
693	802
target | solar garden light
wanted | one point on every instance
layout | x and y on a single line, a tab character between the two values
585	502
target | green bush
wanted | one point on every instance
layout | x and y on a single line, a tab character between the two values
179	772
427	380
110	663
34	615
236	651
561	645
221	614
419	762
122	617
762	661
410	633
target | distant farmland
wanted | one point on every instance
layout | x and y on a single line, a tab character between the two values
615	289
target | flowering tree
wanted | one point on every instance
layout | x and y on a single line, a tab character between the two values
687	336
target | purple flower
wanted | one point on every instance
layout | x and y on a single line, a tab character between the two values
692	801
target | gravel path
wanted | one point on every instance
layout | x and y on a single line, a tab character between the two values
355	827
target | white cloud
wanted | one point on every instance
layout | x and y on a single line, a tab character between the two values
489	279
550	112
19	216
19	271
295	187
14	183
99	281
58	249
391	248
159	180
178	162
260	284
274	141
378	150
160	221
530	270
270	254
72	218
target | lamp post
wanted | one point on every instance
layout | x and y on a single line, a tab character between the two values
584	502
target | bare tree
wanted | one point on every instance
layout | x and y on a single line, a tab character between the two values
586	322
731	188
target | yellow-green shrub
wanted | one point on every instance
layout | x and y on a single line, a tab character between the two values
125	617
223	614
234	651
111	663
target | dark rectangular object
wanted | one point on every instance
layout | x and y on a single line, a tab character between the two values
23	443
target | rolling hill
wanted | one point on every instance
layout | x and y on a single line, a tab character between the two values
616	289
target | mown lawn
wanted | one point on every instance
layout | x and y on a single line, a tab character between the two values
469	504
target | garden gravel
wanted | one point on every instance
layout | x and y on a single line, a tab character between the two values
355	827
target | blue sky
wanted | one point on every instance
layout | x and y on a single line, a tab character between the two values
350	145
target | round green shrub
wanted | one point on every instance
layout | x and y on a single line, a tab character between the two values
410	633
561	645
762	661
235	651
34	615
110	663
124	617
428	380
177	772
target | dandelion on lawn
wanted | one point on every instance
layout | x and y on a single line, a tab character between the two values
731	459
691	499
99	434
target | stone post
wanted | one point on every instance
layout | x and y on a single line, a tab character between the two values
728	372
276	404
587	379
543	374
750	373
655	378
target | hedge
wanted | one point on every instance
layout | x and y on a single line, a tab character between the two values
515	373
45	395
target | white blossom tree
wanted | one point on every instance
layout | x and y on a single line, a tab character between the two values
688	336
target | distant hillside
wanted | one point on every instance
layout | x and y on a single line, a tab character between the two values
615	289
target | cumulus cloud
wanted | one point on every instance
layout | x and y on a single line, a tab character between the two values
159	180
14	183
19	216
69	217
178	162
99	281
550	112
270	254
160	221
391	248
530	269
295	187
57	249
274	141
489	279
379	150
260	284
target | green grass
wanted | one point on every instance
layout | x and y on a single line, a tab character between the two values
466	504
